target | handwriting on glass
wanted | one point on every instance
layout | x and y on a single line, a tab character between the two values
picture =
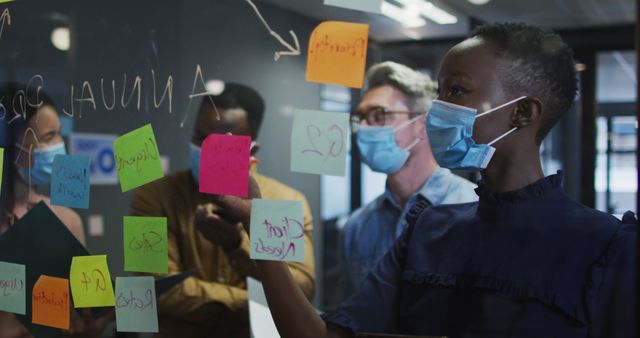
357	48
132	302
96	276
145	154
333	135
290	230
51	299
9	286
148	242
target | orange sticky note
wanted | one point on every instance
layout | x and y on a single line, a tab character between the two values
338	53
50	302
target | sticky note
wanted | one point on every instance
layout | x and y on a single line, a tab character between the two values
373	6
136	309
13	292
3	1
91	282
319	142
137	158
145	244
50	302
224	165
338	53
277	230
70	181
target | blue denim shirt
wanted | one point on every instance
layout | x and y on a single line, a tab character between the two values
371	230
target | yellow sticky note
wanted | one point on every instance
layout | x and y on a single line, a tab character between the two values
338	53
91	282
50	302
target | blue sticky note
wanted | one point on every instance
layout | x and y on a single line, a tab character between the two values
136	307
319	142
277	230
373	6
66	126
70	181
13	289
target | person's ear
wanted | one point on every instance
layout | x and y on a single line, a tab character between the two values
527	111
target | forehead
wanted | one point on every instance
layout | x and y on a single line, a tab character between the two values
473	58
46	119
384	96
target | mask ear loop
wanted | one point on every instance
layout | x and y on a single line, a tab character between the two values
500	106
413	144
503	136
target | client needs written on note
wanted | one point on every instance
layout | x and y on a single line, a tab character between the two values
277	230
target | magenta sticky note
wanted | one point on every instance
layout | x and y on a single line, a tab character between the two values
224	165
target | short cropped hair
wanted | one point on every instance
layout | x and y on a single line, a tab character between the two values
418	87
542	66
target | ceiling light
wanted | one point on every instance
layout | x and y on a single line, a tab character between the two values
215	87
479	2
61	38
411	13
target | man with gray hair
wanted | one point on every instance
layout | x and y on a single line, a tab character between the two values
390	130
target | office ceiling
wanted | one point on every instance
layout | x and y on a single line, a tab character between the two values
557	14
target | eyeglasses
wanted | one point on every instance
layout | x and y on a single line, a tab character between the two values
378	116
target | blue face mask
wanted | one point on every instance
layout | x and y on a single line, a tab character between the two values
450	131
378	148
42	165
194	159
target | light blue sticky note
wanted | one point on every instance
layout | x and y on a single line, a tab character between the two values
12	288
66	125
70	181
277	230
319	142
373	6
136	306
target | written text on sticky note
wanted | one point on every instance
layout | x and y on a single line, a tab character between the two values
224	165
136	309
12	288
50	302
337	53
70	181
319	142
137	158
91	282
373	6
145	244
277	230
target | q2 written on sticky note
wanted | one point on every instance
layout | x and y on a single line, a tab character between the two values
12	288
137	158
70	181
145	244
50	302
91	282
277	230
224	165
373	6
136	309
337	53
319	142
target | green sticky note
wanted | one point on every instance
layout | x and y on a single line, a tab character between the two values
13	288
277	230
145	244
137	158
1	168
136	307
3	1
319	142
91	282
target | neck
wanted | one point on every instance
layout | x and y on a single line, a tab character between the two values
513	172
22	192
408	180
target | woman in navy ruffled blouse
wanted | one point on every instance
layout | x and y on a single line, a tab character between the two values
524	261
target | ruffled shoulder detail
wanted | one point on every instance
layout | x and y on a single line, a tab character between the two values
502	287
536	189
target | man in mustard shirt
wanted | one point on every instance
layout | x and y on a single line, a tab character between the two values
213	302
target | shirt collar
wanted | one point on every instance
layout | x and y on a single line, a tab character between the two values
434	189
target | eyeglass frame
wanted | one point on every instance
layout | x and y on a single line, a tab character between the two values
355	119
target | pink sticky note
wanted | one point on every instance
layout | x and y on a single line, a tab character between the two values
224	165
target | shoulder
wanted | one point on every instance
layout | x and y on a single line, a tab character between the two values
455	189
274	189
165	186
360	215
